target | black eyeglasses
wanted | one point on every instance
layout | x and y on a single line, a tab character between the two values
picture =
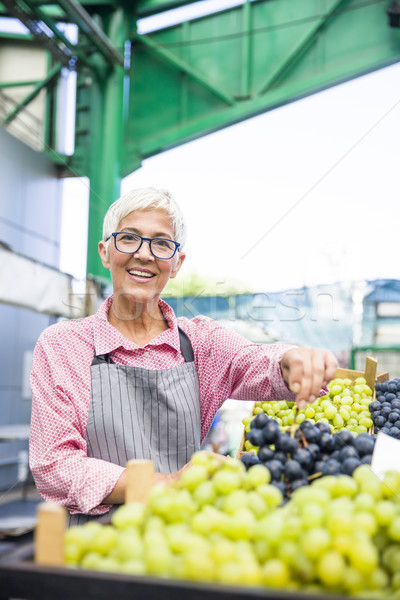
129	243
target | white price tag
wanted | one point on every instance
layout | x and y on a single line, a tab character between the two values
386	455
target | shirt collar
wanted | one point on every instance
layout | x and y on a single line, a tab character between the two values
107	338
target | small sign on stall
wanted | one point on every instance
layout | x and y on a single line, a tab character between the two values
386	456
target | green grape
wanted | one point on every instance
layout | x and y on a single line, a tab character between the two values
205	493
153	523
241	525
107	563
342	541
201	523
128	515
363	556
133	567
257	504
340	522
77	539
249	573
287	551
346	401
104	540
292	527
366	521
315	542
176	536
353	580
391	557
269	528
193	477
330	412
128	546
338	421
226	481
305	495
393	529
344	412
312	514
257	475
92	561
364	501
391	484
343	485
235	500
396	581
378	579
330	568
275	573
158	560
229	573
304	568
199	566
385	511
223	550
209	461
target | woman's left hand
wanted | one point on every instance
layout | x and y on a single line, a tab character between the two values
307	370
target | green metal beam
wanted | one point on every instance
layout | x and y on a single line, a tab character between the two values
246	50
106	142
87	25
299	47
201	126
176	62
40	15
45	82
19	37
11	84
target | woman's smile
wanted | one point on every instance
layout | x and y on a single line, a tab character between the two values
141	275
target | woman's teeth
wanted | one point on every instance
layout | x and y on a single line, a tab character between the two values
141	274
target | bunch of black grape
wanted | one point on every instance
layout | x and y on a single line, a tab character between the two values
295	460
385	410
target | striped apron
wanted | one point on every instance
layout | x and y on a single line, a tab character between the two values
143	413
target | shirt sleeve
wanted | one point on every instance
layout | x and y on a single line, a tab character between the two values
230	366
62	470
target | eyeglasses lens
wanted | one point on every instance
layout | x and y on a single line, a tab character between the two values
130	243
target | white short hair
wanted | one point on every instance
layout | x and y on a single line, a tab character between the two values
143	199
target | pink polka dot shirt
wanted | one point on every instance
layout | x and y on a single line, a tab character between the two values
228	365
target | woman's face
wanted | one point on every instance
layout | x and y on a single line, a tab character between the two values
141	276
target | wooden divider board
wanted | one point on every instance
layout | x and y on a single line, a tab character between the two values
139	480
52	518
49	534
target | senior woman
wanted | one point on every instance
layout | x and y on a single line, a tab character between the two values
133	381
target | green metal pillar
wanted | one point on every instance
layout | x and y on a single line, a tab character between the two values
106	136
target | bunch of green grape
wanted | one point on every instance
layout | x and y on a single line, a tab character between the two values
222	524
344	407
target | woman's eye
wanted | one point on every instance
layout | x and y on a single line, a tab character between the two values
128	238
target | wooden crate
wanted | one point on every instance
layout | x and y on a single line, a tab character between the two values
20	577
370	374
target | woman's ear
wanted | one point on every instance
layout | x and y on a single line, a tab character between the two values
103	252
175	270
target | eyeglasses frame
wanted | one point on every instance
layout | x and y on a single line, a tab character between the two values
144	239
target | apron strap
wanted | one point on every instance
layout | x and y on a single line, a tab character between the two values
184	341
186	345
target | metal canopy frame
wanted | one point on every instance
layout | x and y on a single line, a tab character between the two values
186	80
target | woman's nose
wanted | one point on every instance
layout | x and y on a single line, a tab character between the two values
144	251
